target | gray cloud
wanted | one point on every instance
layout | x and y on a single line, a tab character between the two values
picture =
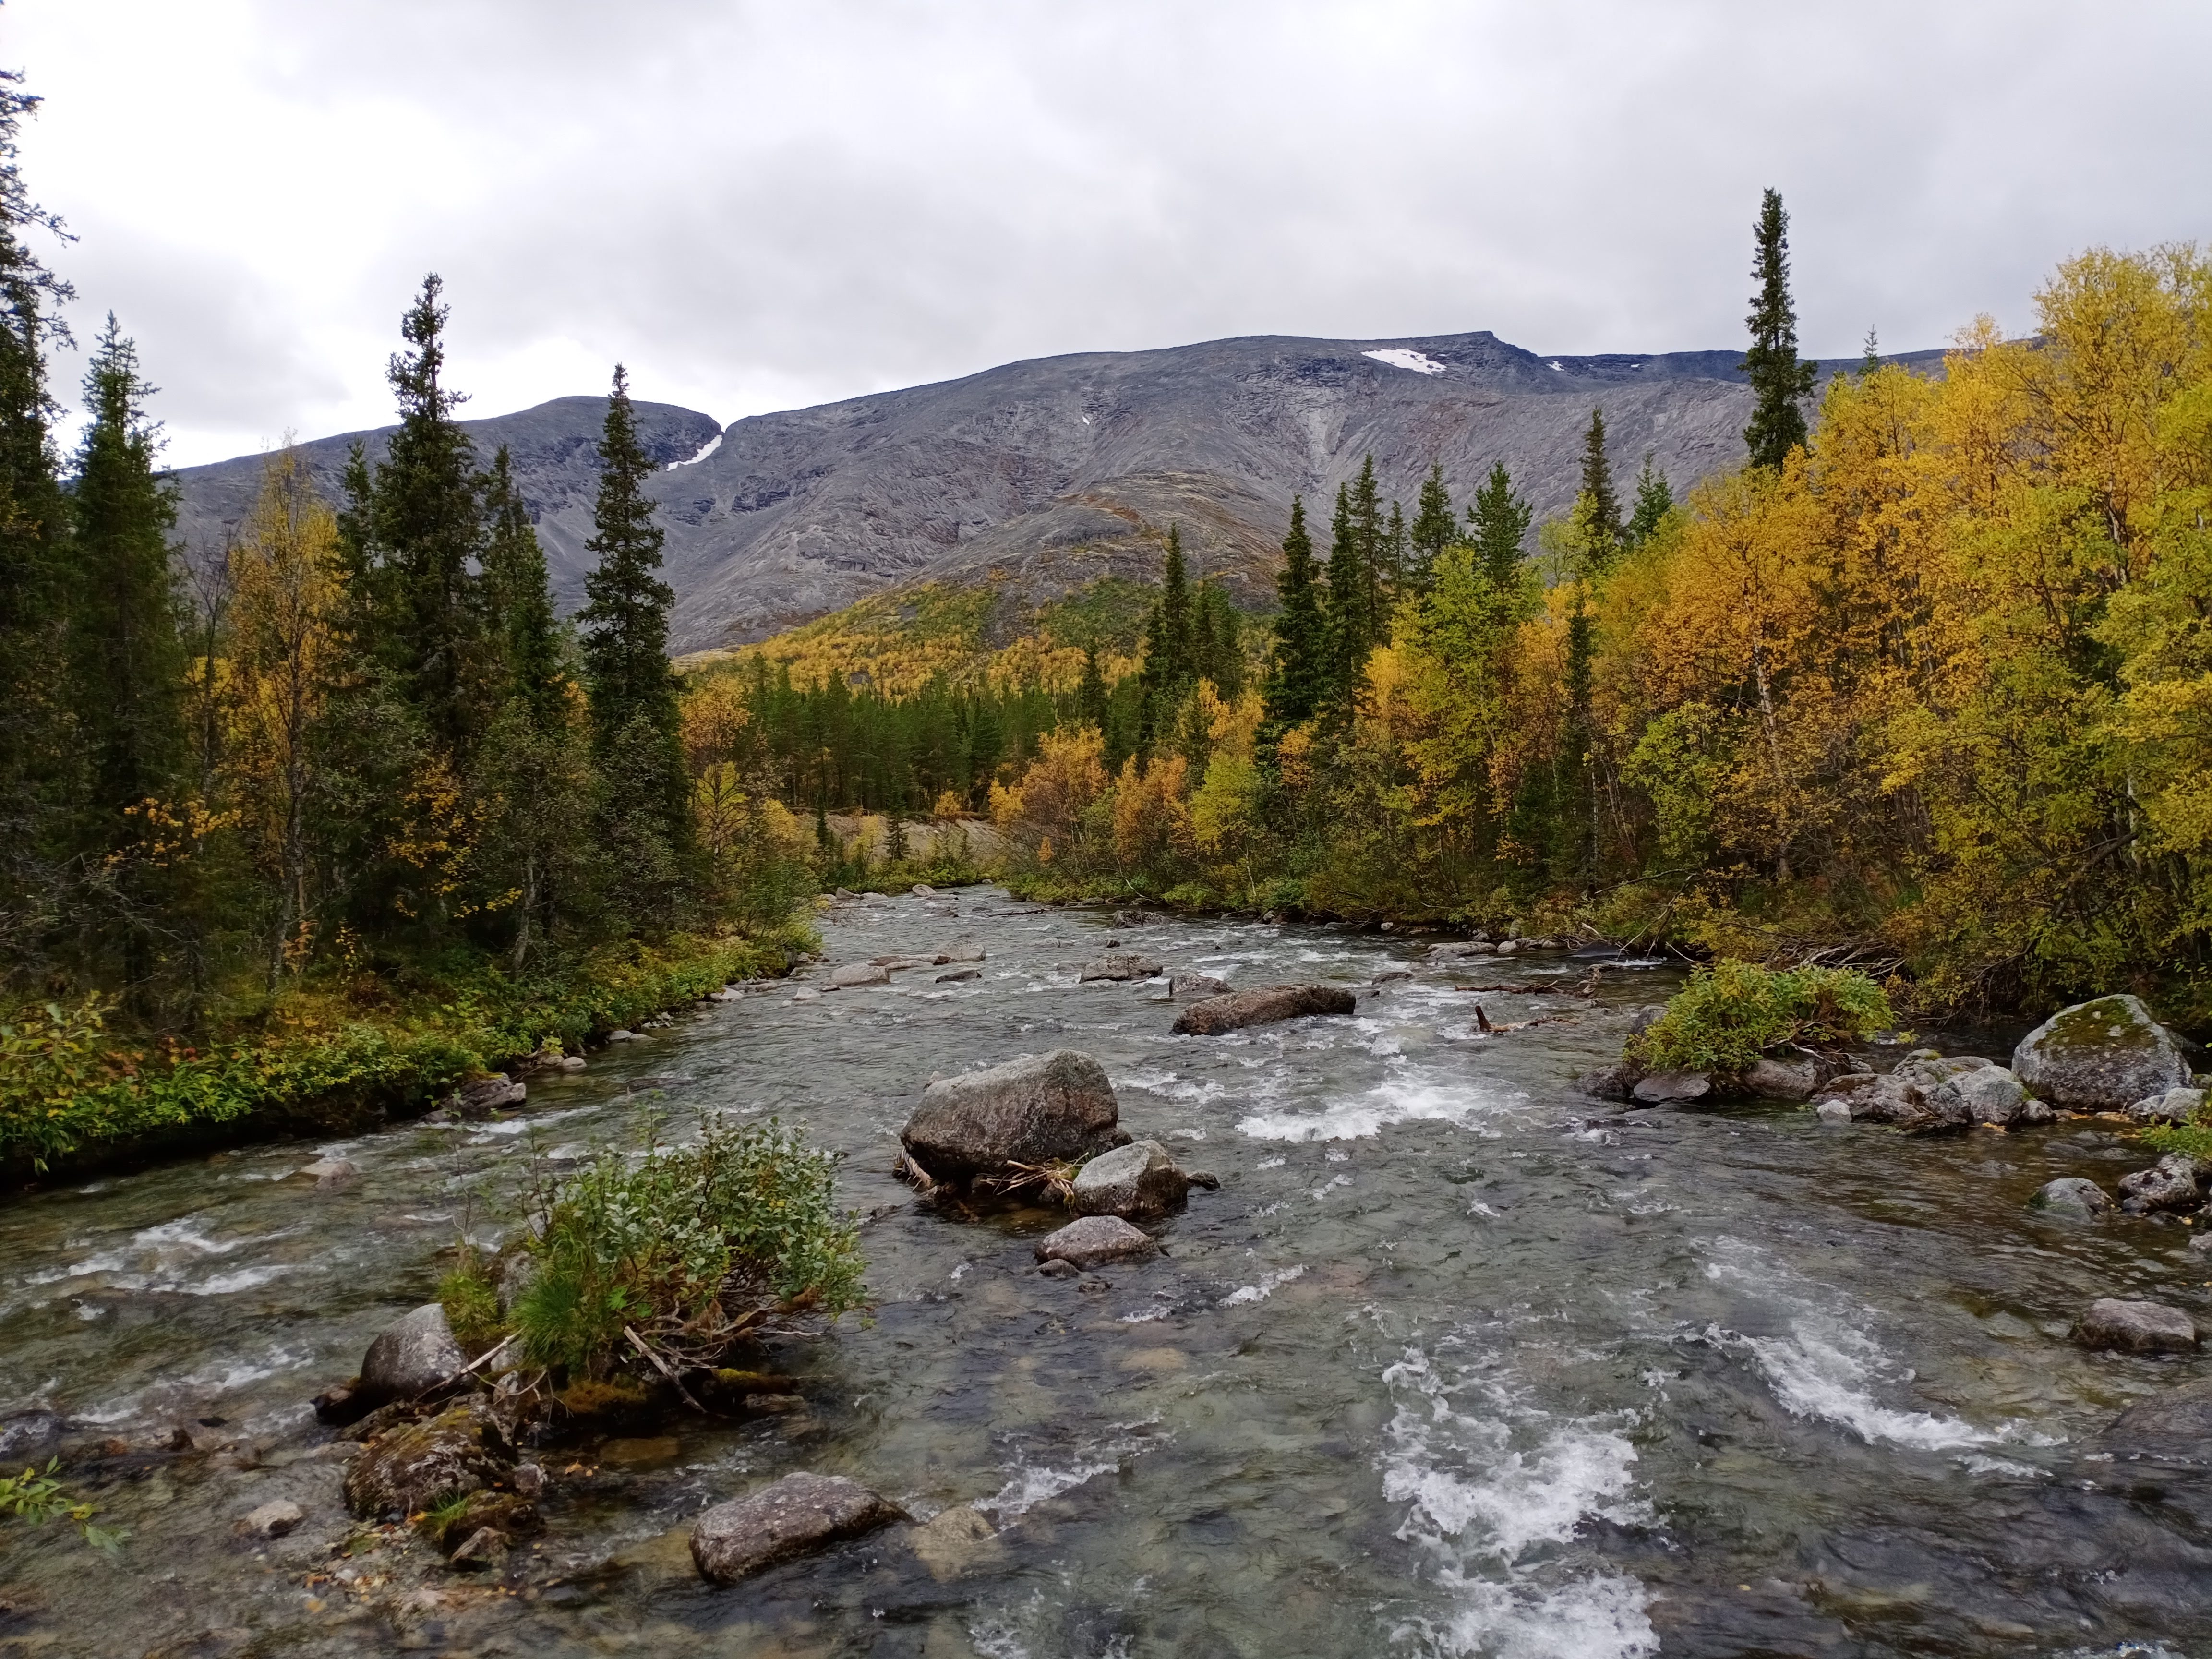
760	205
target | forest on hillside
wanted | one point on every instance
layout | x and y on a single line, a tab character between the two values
1924	686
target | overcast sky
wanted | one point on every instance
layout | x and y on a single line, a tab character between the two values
761	206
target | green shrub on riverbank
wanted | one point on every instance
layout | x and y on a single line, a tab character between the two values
1732	1012
69	1095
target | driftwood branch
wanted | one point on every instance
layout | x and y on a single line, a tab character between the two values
662	1366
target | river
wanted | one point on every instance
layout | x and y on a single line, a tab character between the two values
1457	1361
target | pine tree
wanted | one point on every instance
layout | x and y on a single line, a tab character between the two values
126	663
1167	673
632	691
1604	510
424	535
1433	530
1778	381
39	767
1298	676
1498	523
1654	500
126	658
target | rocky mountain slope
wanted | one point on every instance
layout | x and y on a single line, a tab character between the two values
1042	476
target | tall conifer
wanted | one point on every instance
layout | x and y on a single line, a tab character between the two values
1654	500
1433	529
1167	673
519	600
1780	382
1297	678
1604	511
1498	523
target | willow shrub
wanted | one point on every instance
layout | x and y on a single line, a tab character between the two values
1732	1012
689	1249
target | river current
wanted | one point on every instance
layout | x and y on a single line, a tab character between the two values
1457	1362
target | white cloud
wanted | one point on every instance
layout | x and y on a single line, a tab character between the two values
758	206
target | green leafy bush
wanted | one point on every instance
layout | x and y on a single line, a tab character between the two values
36	1497
1732	1012
686	1250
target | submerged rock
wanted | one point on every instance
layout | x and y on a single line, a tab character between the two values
1460	949
2072	1195
1197	985
2175	1426
1126	966
273	1519
2176	1181
2100	1056
1140	1179
1037	1110
1264	1007
1094	1239
414	1354
416	1465
2135	1327
958	975
796	1516
331	1173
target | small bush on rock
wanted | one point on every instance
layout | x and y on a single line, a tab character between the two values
686	1250
1732	1012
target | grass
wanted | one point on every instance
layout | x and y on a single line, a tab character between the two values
73	1095
1732	1012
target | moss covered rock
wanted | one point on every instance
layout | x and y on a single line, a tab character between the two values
2100	1056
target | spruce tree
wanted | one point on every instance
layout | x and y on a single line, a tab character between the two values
1604	512
1091	695
644	805
1498	523
1433	529
1391	568
1869	356
1298	676
1224	662
518	601
126	658
1167	672
1346	610
1654	502
1778	381
38	761
1371	542
424	533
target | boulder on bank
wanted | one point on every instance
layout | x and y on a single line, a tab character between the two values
2173	1106
1959	1089
2071	1195
2135	1327
796	1516
1037	1110
2100	1056
415	1465
414	1354
1670	1088
1782	1079
1140	1179
1264	1007
1126	965
1095	1239
2176	1181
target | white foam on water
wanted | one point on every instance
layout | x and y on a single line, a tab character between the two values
245	1279
1032	1486
1495	1495
1830	1366
1268	1284
1396	1100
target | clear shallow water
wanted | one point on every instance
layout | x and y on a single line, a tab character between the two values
1457	1362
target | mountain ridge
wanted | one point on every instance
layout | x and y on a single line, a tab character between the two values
1043	475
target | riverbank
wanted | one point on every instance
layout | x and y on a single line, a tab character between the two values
336	1057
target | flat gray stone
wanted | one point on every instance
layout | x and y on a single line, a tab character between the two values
797	1516
854	974
1094	1239
2135	1327
1661	1087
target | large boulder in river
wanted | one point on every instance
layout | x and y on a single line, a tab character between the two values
416	1465
413	1355
2071	1195
1264	1007
1037	1110
2135	1327
796	1516
1140	1179
2100	1056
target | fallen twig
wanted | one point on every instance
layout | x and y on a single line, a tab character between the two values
660	1365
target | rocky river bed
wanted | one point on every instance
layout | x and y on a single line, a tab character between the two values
1458	1360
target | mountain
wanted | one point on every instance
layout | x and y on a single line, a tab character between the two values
1041	475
